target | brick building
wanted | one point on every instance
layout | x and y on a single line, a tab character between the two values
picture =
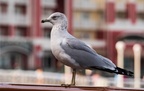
24	41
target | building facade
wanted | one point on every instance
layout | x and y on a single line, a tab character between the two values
124	20
103	23
25	42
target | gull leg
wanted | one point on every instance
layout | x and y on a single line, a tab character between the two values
72	81
73	77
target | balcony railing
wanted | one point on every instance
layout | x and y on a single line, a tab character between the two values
48	3
85	6
4	0
21	20
14	19
140	7
85	25
36	77
121	6
4	19
22	1
125	24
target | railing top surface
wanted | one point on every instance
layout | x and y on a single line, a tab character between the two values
33	87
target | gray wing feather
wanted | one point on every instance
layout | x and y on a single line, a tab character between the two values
85	56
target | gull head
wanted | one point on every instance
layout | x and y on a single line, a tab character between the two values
56	18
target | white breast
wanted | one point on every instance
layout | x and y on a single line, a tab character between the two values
60	55
58	37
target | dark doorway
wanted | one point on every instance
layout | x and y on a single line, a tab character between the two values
13	60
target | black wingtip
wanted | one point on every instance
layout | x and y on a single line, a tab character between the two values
129	73
124	72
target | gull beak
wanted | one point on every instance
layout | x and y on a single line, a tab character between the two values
45	20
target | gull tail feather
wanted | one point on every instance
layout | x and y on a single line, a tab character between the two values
117	71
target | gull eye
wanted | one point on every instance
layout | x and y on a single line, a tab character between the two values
54	17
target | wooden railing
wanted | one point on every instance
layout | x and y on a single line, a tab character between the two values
30	87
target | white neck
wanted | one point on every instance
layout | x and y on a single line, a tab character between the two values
59	31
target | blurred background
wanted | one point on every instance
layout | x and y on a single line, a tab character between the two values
114	28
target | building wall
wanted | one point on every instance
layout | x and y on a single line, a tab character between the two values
99	23
20	21
87	17
107	21
124	19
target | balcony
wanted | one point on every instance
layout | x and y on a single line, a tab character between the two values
34	77
121	6
15	39
120	24
16	1
95	43
48	3
140	7
16	20
43	42
21	20
84	5
4	1
22	1
90	25
4	19
127	25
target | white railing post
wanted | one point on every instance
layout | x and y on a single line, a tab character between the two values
67	73
137	66
120	46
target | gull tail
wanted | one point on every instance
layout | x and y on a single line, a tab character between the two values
123	72
117	71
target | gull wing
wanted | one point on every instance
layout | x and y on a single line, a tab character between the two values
85	56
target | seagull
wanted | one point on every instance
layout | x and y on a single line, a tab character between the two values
75	53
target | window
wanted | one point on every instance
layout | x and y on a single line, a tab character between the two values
20	9
48	61
3	31
21	31
3	7
13	60
101	14
122	15
129	63
82	34
46	32
142	67
47	11
85	36
140	16
85	16
5	62
100	34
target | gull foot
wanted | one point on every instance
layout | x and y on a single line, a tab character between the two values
67	85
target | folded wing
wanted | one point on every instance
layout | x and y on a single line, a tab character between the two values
85	56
